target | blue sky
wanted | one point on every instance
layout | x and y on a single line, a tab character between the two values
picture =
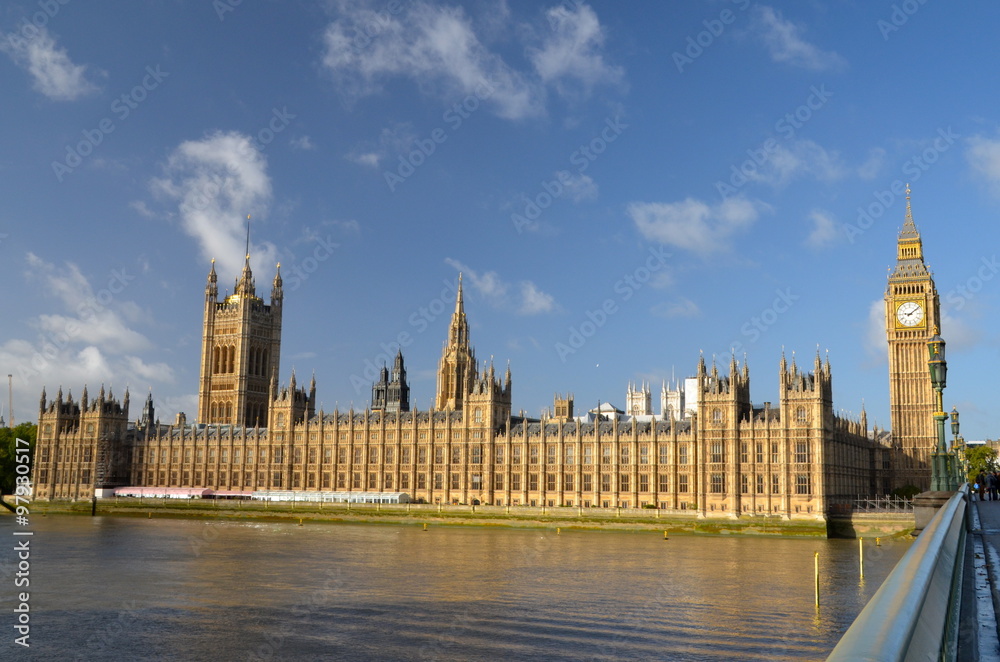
623	185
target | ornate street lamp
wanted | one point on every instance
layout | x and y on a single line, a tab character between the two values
958	448
942	477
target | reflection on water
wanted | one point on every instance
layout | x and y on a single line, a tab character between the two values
137	589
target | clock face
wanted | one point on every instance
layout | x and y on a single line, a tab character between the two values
910	313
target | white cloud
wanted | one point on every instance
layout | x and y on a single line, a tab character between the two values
96	317
140	207
983	155
875	343
88	340
395	139
577	187
302	142
53	72
534	301
528	300
681	308
873	164
694	225
798	159
216	182
784	41
662	280
150	372
572	51
825	230
434	45
370	159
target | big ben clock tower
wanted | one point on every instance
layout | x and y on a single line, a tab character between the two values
912	316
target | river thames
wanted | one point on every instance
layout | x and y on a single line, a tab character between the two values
169	589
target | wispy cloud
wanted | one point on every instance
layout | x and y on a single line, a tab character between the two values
577	187
53	73
445	52
873	164
785	42
395	139
694	225
436	46
216	182
524	299
983	156
681	308
799	158
825	230
571	52
88	337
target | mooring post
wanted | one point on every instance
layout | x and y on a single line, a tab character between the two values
816	573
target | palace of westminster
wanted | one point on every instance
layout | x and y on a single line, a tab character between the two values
710	450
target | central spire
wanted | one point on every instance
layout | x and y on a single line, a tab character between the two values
457	368
458	333
248	238
909	247
909	231
245	286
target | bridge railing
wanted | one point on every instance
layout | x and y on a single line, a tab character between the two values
913	615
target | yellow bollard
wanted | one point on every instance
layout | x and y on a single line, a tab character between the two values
558	530
878	542
425	526
665	536
150	516
300	521
861	556
816	566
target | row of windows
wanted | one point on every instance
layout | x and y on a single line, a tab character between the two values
717	454
475	454
803	484
801	455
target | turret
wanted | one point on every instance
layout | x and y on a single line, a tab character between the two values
277	292
212	286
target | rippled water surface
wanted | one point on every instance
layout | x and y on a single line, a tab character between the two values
137	589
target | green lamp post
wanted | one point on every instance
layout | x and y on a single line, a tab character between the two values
942	476
958	448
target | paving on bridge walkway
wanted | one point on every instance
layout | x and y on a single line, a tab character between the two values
981	585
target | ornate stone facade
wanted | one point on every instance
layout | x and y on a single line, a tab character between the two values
727	457
912	317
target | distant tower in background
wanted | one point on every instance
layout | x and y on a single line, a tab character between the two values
391	393
672	402
639	400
